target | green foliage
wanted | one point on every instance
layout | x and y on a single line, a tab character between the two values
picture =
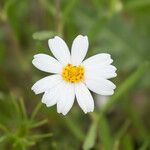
74	127
91	135
137	4
43	35
118	27
20	133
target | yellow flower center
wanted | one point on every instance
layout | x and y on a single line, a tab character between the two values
73	74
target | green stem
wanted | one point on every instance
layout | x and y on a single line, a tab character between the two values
58	17
36	110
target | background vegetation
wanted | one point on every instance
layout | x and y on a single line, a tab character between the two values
119	27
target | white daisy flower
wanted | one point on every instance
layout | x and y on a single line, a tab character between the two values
72	77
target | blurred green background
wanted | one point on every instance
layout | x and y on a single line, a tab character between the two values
118	27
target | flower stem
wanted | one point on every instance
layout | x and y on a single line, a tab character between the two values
36	110
58	17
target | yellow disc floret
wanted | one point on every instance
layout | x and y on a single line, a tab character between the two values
73	74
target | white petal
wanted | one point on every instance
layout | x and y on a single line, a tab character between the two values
100	86
51	96
46	83
99	59
47	63
84	97
106	71
59	49
79	49
67	96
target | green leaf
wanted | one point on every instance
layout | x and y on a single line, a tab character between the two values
91	135
136	4
75	129
97	27
48	5
41	136
105	133
38	124
8	4
122	130
3	128
144	146
2	138
68	9
128	143
23	109
36	110
120	134
16	105
43	35
136	120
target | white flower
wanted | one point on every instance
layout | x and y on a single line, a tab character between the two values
72	77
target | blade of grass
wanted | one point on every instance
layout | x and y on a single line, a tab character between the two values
36	110
38	124
123	129
120	134
136	121
128	143
47	5
8	4
75	129
23	109
91	135
41	136
97	27
68	9
104	133
16	105
3	128
135	4
144	146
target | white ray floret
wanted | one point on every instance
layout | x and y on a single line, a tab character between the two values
73	77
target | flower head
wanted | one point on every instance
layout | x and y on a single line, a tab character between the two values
72	77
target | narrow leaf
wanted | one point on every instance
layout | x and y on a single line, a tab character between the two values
91	136
43	35
36	110
23	109
38	124
136	4
41	136
75	129
105	135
